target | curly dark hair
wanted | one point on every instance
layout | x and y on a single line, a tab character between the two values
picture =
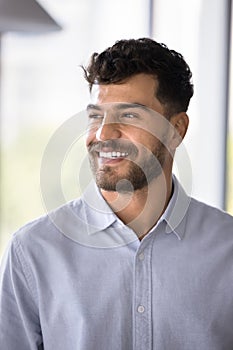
129	57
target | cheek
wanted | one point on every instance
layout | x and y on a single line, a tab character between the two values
146	140
90	136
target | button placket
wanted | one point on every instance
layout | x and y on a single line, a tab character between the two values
142	300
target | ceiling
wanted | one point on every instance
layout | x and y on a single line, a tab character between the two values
25	16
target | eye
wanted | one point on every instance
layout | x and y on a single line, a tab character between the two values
129	115
95	116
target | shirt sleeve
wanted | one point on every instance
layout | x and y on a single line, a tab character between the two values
19	316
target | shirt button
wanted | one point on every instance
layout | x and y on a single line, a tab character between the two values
141	256
141	309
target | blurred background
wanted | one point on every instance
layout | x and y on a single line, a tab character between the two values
42	45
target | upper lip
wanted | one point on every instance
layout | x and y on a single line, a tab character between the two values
105	149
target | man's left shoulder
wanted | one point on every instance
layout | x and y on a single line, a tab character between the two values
211	217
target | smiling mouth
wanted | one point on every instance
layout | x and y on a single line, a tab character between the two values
113	155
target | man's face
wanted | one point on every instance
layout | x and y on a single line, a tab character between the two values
126	134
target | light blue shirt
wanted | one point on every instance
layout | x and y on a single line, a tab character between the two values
78	279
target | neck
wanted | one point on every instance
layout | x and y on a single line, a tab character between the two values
140	210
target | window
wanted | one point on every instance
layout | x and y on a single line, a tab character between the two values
42	86
229	185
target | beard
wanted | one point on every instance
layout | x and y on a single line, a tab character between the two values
135	175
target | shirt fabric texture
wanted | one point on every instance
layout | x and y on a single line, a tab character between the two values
79	279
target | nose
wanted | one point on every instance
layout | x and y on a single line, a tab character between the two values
108	131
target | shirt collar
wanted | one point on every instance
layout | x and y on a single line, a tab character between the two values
175	213
99	215
97	212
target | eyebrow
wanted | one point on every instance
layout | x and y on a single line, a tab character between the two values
92	106
119	106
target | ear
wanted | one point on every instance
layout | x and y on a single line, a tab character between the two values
179	124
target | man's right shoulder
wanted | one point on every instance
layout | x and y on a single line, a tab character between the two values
50	224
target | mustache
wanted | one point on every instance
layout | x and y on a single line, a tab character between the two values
113	145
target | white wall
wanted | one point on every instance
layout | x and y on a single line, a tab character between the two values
198	30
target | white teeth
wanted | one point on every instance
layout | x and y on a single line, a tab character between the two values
113	154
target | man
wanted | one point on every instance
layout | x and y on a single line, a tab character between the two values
134	263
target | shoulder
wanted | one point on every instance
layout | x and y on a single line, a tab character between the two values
208	218
48	227
206	210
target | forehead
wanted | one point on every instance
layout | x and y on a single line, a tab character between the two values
139	89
